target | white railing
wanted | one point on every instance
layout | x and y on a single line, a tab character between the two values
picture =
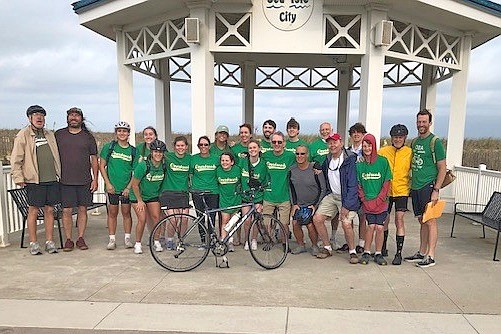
11	220
475	185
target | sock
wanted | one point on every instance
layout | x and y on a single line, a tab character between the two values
400	243
127	235
377	253
138	243
361	242
385	240
352	251
157	243
112	237
169	239
329	248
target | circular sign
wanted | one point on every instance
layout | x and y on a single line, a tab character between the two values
288	14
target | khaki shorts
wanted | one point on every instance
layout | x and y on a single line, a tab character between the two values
331	205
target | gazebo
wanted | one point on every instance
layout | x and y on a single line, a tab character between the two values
341	45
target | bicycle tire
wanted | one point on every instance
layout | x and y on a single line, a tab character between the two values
190	249
272	251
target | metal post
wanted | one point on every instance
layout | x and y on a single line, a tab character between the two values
4	223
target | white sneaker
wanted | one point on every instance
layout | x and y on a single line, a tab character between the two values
138	249
128	243
246	247
158	246
231	247
111	245
254	244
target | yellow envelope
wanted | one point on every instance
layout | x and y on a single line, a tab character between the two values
433	211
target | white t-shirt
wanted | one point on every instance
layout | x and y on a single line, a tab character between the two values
333	174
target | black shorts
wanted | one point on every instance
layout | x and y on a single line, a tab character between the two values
42	194
175	200
115	199
376	218
400	203
75	195
420	198
147	201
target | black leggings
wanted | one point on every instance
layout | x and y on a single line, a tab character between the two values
212	201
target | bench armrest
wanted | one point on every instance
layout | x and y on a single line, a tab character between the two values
469	204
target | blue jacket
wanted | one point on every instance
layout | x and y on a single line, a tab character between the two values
349	182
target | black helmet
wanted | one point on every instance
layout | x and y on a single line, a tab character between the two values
34	109
303	215
158	145
399	130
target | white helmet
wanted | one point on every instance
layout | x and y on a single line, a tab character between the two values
122	125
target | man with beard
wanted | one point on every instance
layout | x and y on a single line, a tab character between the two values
269	127
78	153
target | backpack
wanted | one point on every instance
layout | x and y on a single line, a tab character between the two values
432	146
112	147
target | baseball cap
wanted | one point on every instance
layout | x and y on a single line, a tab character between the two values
75	110
222	128
334	136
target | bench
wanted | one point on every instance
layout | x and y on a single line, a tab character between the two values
20	197
490	216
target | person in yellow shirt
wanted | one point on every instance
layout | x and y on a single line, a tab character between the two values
399	156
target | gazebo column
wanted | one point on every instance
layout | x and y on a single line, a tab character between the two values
202	75
428	91
343	102
125	85
163	109
371	78
249	84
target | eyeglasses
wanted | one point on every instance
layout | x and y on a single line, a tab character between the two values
277	142
300	153
203	145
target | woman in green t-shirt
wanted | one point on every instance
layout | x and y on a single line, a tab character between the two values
148	177
229	179
143	149
116	166
174	191
240	148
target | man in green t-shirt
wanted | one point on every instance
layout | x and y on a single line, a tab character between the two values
293	140
277	195
319	148
269	127
116	165
428	173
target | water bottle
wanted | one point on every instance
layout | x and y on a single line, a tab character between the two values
232	222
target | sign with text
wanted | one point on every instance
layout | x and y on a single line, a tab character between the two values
288	14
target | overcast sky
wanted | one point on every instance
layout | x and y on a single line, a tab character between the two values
47	58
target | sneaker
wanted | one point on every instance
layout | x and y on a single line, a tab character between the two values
246	246
323	253
397	260
353	258
379	259
427	262
314	250
111	245
384	252
359	249
158	246
231	247
365	259
138	249
169	244
254	244
418	257
299	250
50	247
128	243
35	248
81	244
343	248
68	245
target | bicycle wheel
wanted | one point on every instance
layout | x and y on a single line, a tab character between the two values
190	245
272	251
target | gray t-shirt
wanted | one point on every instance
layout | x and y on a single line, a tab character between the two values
306	189
45	159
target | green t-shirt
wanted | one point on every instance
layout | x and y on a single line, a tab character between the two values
216	151
260	173
318	151
45	158
238	151
372	176
150	182
266	146
291	146
424	169
119	166
142	152
203	172
178	170
229	182
278	167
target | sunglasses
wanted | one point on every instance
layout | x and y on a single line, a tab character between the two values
300	153
277	142
203	145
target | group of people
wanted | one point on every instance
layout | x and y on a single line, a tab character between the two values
306	183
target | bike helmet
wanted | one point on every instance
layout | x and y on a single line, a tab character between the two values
34	109
399	130
122	125
303	215
158	145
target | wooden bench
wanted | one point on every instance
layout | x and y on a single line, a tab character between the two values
490	216
20	197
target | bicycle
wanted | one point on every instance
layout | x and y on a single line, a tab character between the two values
192	241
